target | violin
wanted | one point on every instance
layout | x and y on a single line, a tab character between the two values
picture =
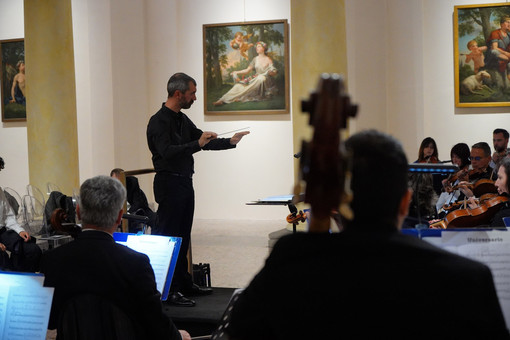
296	218
458	204
472	217
324	164
460	175
480	187
475	174
431	159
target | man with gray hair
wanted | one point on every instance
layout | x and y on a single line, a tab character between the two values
94	264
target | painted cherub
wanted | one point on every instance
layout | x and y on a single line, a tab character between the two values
476	55
240	42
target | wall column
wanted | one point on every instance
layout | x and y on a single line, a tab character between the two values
51	95
318	45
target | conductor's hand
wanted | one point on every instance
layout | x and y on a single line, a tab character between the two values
184	335
237	137
206	137
25	236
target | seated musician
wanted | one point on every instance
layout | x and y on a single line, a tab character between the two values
425	187
428	153
501	150
321	285
137	200
503	186
95	264
460	157
480	158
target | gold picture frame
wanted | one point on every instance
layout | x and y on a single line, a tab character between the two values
246	68
482	55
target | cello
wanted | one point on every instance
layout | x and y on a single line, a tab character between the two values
324	163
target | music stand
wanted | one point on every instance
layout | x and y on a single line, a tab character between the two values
279	200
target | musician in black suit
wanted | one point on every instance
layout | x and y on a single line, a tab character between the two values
95	264
138	203
369	281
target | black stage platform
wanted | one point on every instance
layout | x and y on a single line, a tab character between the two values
205	316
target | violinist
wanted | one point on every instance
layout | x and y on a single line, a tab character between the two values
480	158
428	151
460	157
500	142
503	186
425	187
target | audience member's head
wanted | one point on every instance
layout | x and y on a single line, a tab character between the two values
460	154
379	178
2	163
115	173
100	203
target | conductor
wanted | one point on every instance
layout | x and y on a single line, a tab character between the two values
173	139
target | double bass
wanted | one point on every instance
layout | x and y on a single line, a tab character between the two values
324	163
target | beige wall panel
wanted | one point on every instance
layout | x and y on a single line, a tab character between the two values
51	97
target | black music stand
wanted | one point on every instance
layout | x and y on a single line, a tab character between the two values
279	200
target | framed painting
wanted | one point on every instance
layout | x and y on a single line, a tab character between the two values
482	55
12	78
246	68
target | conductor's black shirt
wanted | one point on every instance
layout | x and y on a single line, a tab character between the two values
173	139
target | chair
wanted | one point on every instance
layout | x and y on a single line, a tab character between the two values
51	187
16	204
90	316
35	192
33	210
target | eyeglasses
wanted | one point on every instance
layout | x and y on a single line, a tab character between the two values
477	158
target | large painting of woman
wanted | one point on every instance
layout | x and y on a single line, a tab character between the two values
246	68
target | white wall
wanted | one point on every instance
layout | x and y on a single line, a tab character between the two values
400	68
400	72
262	164
125	52
94	86
13	135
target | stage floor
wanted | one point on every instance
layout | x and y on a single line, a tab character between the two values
205	316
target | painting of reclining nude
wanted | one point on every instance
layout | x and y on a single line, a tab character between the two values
482	55
12	80
246	68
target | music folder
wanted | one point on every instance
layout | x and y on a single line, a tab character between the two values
24	306
162	252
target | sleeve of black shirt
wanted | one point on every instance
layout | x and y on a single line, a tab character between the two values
219	144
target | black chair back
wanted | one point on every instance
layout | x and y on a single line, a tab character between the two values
90	316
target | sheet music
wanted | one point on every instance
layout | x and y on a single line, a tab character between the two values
27	313
24	306
159	249
489	247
